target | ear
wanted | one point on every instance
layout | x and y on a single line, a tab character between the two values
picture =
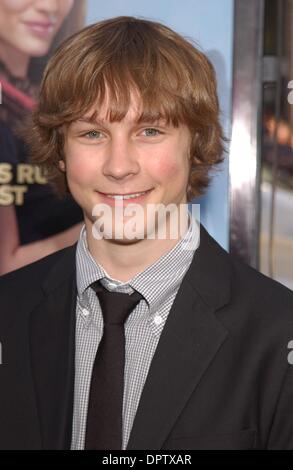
61	165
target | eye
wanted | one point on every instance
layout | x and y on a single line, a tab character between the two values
92	135
151	132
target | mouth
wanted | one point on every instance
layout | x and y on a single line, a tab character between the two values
135	197
40	29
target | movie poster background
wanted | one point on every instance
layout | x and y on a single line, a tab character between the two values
34	221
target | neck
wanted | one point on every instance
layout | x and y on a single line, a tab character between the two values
16	61
124	261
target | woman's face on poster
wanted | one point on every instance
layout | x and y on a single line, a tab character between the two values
30	25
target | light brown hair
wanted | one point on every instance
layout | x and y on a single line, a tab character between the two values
174	80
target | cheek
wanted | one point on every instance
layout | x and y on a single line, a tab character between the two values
79	172
15	6
167	169
12	13
64	9
168	166
9	17
81	169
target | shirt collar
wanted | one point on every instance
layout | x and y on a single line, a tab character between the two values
156	282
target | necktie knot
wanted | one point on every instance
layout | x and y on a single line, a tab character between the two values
116	306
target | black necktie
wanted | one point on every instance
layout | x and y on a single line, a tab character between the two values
104	418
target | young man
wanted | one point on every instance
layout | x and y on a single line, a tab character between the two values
139	342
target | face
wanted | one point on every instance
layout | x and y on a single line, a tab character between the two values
122	158
30	26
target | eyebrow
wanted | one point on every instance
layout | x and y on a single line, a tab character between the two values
90	120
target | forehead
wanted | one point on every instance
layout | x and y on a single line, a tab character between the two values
104	111
130	106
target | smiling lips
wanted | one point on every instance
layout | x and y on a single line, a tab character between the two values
123	197
40	29
126	195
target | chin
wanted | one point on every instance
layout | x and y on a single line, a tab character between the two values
124	234
39	49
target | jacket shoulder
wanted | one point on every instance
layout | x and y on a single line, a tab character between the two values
270	300
29	278
253	279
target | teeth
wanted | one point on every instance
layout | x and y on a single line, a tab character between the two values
129	196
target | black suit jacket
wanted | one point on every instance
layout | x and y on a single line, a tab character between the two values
220	377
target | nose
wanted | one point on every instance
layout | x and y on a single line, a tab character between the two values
48	6
121	160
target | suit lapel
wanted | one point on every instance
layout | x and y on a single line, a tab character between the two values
52	340
189	341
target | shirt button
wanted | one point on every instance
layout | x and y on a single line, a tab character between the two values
112	285
158	320
85	312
